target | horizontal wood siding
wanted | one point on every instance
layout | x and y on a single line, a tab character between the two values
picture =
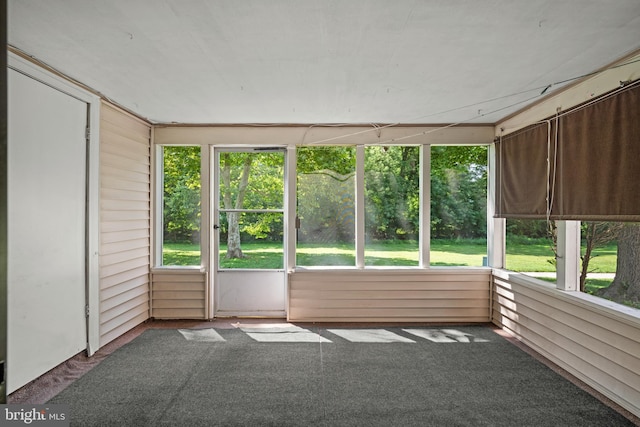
125	221
179	294
580	333
455	295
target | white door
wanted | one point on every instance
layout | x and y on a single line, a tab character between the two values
249	232
47	176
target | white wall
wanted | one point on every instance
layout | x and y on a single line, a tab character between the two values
47	212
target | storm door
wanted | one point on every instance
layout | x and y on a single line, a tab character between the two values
249	232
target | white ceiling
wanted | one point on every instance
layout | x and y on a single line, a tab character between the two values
320	61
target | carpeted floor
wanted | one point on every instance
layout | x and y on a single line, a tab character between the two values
284	375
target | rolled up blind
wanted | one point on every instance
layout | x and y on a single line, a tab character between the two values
586	169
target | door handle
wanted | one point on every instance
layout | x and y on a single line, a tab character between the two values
216	226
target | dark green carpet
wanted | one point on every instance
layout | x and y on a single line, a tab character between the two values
161	378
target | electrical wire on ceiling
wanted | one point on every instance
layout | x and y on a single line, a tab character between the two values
540	91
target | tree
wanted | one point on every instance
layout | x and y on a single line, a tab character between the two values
392	192
597	234
227	160
326	191
626	284
458	191
251	181
181	208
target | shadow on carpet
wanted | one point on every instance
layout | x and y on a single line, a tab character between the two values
467	376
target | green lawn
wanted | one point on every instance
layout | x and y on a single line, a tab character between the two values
524	257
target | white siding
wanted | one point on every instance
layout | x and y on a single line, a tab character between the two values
179	294
435	295
125	216
597	344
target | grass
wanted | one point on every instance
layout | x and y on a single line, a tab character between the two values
521	256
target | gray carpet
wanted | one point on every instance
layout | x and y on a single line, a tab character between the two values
426	377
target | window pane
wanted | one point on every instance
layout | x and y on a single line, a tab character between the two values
458	205
326	206
181	206
610	261
530	248
250	182
392	204
261	237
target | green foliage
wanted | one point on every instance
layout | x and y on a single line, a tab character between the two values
326	193
181	210
458	191
392	193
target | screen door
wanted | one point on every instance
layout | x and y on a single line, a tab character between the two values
249	232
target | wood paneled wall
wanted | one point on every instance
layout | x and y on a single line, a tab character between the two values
434	295
578	332
125	222
179	294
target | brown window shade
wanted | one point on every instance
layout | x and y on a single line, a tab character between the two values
598	164
522	173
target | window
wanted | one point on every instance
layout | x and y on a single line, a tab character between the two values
392	205
181	206
610	265
530	248
326	206
251	197
458	205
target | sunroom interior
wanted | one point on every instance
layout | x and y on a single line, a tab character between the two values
97	92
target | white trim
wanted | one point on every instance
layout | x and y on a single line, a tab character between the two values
290	209
568	260
496	227
205	222
359	207
425	207
157	182
215	236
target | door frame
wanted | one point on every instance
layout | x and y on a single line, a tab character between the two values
219	279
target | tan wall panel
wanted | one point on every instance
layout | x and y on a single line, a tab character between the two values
179	313
134	296
117	195
131	128
125	218
123	327
111	158
580	333
120	324
120	236
121	287
178	294
113	312
296	135
109	226
110	248
109	270
371	295
125	174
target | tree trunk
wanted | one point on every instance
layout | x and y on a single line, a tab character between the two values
234	249
233	236
626	285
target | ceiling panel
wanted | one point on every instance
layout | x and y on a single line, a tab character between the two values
356	61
